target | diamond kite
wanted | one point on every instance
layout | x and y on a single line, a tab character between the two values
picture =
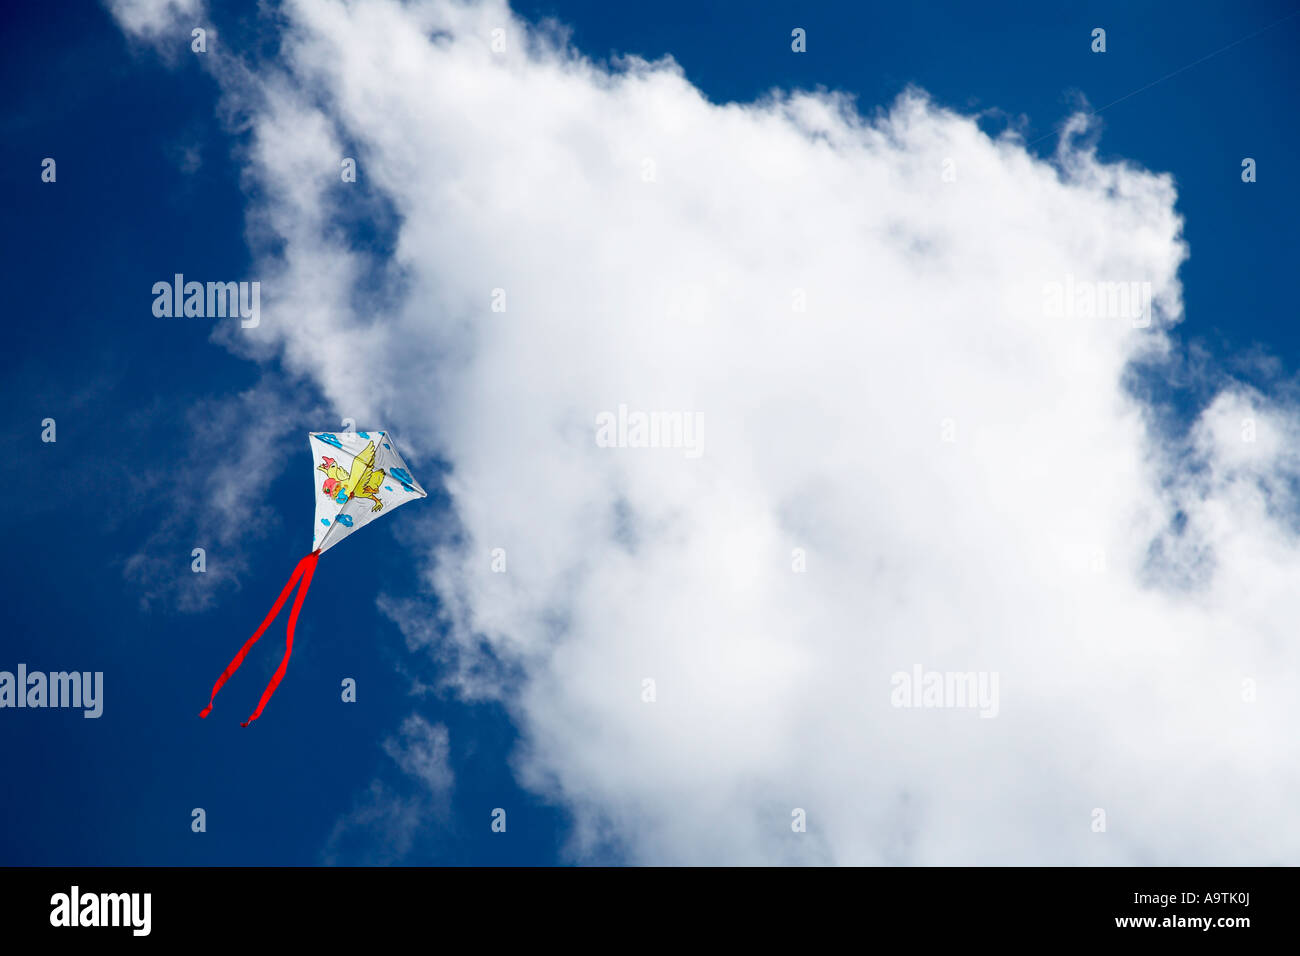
360	476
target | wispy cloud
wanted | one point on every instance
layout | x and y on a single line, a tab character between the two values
421	750
384	826
212	498
164	23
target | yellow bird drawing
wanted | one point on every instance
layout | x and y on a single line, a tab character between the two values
363	481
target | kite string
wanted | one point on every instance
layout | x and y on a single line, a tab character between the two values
308	567
266	622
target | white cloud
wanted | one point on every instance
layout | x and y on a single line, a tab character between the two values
209	501
383	827
151	19
422	750
1121	585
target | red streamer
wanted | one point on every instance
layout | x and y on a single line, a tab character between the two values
304	570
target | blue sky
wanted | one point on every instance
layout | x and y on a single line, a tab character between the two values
149	184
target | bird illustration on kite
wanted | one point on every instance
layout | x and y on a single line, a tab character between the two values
357	470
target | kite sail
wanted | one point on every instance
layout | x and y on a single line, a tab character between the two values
358	477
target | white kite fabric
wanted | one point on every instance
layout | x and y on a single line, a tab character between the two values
358	476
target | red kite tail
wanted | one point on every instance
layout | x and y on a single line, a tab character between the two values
308	565
303	570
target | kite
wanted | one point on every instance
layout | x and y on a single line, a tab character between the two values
360	478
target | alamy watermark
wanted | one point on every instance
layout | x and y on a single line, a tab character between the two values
215	300
945	689
75	908
1088	299
651	430
58	689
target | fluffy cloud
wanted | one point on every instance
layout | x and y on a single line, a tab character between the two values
891	400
